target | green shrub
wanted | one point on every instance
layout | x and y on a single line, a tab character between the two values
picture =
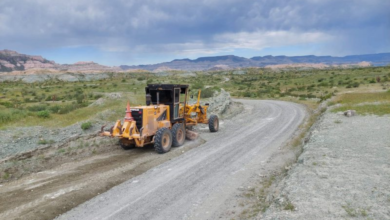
197	85
355	84
10	115
289	206
55	108
86	125
149	81
98	96
6	176
79	99
325	97
43	114
43	141
71	107
37	108
207	93
247	94
310	96
7	104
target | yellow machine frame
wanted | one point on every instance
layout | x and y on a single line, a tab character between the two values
156	117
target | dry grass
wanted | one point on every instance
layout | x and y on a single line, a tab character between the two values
381	109
256	198
116	107
365	103
356	98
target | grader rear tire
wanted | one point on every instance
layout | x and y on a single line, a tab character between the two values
163	140
213	123
178	134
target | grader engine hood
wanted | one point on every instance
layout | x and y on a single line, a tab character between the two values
149	118
144	121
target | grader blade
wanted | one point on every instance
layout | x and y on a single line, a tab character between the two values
191	135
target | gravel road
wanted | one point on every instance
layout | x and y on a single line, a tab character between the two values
196	184
343	172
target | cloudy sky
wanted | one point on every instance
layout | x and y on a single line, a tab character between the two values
115	32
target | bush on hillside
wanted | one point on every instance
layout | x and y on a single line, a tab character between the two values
43	114
86	125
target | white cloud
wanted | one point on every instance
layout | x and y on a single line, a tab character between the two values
182	27
228	42
262	39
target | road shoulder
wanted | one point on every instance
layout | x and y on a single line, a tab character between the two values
343	172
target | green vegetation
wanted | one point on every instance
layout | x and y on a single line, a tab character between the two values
355	212
381	109
289	206
356	98
62	103
86	125
43	114
6	176
377	103
43	141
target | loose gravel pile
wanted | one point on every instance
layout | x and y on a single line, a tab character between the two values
18	140
219	103
344	172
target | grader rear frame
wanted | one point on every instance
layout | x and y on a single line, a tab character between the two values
164	120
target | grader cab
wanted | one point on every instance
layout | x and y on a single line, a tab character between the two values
163	121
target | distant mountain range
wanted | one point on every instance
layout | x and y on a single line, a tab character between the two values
14	61
231	62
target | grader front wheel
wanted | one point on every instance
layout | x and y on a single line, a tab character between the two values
213	123
163	140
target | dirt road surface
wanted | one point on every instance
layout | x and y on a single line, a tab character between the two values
198	183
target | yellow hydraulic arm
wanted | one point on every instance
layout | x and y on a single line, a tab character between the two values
201	112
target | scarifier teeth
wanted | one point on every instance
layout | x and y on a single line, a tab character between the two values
102	128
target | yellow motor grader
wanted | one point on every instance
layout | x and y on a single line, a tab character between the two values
164	119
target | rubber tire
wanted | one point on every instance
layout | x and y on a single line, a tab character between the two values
159	140
176	129
126	146
213	123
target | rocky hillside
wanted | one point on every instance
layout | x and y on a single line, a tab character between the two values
11	60
14	61
87	66
231	62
